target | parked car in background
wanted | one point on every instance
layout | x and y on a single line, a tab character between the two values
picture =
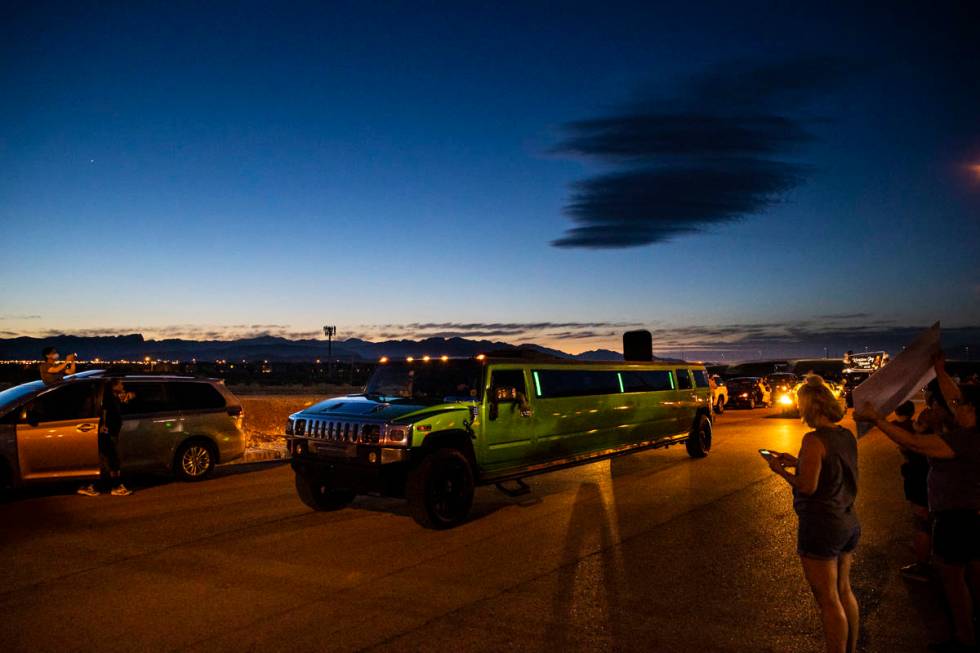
178	425
719	393
790	408
782	385
748	392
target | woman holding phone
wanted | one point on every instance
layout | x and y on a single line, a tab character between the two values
824	488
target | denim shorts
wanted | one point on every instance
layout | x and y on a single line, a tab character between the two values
826	537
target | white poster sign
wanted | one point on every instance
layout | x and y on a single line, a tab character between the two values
902	378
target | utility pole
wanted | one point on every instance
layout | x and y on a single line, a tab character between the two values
329	332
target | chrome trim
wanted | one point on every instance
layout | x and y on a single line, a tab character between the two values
350	431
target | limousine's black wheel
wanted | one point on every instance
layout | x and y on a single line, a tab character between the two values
194	461
440	489
319	495
699	440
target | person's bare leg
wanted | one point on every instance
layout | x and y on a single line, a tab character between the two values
960	602
847	599
822	577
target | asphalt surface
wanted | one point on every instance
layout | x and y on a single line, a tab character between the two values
650	552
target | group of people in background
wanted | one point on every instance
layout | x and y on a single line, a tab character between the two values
941	475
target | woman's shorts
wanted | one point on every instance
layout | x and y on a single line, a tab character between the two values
826	538
956	536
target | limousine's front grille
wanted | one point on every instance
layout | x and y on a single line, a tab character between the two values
338	431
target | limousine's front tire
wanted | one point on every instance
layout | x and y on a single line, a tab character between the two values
699	440
440	489
319	495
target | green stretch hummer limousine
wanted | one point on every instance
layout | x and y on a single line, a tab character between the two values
431	429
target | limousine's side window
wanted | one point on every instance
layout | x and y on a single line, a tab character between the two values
575	383
701	379
148	397
683	380
508	385
196	396
646	381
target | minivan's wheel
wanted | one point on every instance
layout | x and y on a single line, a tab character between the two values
319	495
440	489
699	439
720	407
194	461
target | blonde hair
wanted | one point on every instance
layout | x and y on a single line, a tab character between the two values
815	399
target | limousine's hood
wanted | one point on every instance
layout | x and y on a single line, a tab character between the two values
375	408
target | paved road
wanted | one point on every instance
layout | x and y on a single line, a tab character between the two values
652	552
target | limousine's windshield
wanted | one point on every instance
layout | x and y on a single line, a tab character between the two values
429	382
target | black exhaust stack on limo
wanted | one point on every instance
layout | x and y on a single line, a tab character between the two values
638	345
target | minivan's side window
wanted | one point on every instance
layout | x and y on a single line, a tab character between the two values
70	401
575	383
196	396
646	380
504	384
683	380
701	379
148	397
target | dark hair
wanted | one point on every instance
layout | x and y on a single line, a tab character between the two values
906	410
935	397
48	350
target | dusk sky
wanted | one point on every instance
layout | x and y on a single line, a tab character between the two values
542	172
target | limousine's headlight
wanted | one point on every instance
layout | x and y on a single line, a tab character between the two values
744	395
785	400
398	435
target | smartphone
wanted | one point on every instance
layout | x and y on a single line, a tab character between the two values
765	453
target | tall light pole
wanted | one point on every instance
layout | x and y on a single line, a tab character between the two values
329	332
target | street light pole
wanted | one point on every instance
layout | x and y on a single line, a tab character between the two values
329	332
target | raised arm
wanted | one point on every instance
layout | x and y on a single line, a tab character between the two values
947	386
927	445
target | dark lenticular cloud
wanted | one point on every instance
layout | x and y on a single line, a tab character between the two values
712	155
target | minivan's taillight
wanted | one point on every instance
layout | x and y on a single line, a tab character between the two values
234	411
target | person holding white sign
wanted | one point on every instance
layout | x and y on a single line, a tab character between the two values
954	497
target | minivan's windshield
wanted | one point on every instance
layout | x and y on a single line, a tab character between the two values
429	382
11	396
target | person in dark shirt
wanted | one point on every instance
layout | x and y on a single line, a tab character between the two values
954	498
824	490
110	473
51	370
915	470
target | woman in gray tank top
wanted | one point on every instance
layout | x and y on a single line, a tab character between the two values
824	488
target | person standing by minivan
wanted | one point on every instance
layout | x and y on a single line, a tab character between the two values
824	489
110	472
51	369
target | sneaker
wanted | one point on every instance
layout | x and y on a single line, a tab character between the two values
918	571
88	491
121	491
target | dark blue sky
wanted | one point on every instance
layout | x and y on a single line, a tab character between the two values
526	171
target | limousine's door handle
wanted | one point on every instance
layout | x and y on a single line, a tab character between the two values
85	428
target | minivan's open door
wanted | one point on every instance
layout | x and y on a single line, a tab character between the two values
58	432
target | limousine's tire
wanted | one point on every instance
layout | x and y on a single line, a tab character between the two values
440	489
699	440
320	496
194	461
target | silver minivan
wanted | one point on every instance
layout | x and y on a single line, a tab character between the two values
178	425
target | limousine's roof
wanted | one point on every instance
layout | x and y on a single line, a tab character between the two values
529	356
106	374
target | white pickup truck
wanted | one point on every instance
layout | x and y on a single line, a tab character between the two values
719	393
